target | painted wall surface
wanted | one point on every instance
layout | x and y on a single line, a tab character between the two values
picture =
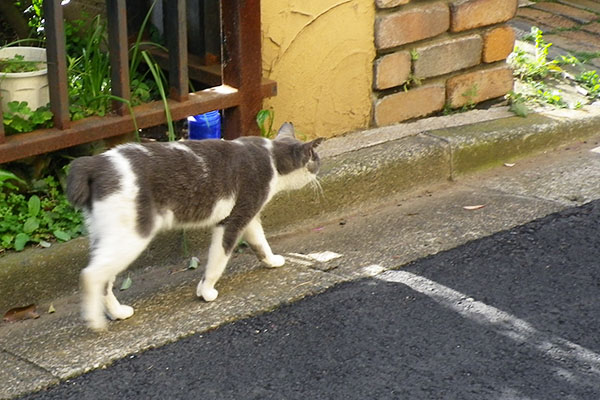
321	54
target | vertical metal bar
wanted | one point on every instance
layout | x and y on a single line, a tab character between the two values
176	30
241	64
116	13
57	63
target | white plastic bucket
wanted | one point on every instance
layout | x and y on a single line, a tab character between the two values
31	87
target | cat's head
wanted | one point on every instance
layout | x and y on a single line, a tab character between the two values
297	162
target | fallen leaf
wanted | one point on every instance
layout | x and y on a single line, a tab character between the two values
126	283
477	207
509	164
193	263
51	309
21	313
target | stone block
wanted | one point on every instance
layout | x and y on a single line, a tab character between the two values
392	70
446	56
469	14
413	103
410	25
498	43
478	86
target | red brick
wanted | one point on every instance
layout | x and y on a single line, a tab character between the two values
446	56
411	24
413	103
390	3
498	43
392	70
478	86
469	14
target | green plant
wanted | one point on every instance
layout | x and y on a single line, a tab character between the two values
538	67
264	120
414	54
517	103
590	81
34	213
19	64
19	118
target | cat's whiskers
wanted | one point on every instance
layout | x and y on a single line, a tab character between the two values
315	184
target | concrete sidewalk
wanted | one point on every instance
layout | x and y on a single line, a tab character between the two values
397	197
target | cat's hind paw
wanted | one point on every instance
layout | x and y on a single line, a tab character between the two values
275	261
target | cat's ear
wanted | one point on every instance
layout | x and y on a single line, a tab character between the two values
315	143
286	130
309	147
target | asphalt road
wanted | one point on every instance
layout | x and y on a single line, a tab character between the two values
512	316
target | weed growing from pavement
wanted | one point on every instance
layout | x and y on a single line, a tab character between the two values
537	74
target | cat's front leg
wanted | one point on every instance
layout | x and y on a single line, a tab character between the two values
218	257
114	309
255	236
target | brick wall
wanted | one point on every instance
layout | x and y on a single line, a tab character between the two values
437	53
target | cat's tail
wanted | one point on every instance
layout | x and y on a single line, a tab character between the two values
79	181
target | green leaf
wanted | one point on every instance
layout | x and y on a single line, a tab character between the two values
6	175
34	205
126	283
30	225
21	240
519	109
193	263
61	235
264	120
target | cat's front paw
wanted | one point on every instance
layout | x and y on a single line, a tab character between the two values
208	294
123	312
275	261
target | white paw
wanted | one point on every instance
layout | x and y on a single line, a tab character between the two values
208	294
123	312
97	324
275	261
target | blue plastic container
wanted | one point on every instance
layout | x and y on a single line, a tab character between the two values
205	126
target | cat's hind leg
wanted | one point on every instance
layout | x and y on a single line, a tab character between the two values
109	257
255	236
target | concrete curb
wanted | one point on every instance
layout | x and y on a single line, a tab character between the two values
360	167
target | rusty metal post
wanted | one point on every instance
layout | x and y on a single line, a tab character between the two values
119	60
57	63
241	63
176	30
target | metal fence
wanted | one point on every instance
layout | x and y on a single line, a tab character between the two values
239	86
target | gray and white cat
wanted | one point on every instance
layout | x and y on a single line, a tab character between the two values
133	191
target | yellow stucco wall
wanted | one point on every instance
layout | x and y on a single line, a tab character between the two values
321	54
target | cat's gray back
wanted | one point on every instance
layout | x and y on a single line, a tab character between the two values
187	178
